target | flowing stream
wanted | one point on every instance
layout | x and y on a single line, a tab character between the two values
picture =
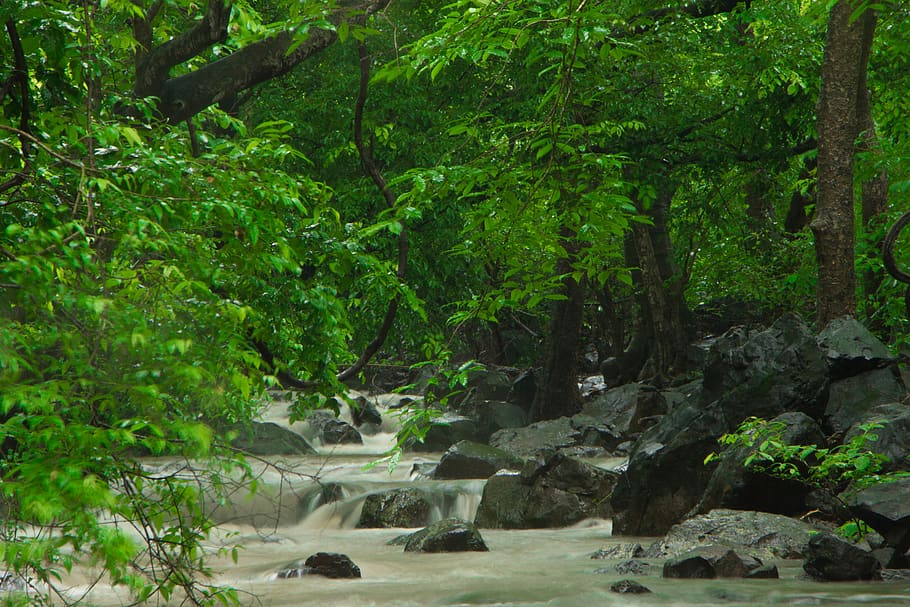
290	520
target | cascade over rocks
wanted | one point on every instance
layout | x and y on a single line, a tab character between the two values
733	486
555	492
466	459
771	372
832	559
447	535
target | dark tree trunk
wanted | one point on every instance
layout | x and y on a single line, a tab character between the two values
846	57
557	393
798	214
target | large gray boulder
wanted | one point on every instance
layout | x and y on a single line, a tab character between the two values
893	437
447	430
467	459
403	507
574	436
624	407
326	564
447	535
555	492
267	438
759	533
734	486
850	348
853	397
830	558
331	430
886	508
777	370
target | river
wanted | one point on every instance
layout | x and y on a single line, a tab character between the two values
546	567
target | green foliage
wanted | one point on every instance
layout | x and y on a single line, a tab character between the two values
849	467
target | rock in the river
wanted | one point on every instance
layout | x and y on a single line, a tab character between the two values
556	492
575	436
447	430
622	551
402	507
766	374
710	562
633	567
327	564
852	398
267	438
447	535
850	348
629	587
886	508
332	431
832	559
734	486
365	412
466	459
760	533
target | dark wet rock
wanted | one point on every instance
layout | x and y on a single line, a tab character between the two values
850	348
267	438
621	551
710	562
734	486
852	398
689	567
625	406
363	411
331	430
530	441
766	374
447	535
633	567
483	384
423	470
765	572
447	430
402	507
523	390
493	415
760	533
466	459
893	437
830	558
555	492
628	587
886	508
327	564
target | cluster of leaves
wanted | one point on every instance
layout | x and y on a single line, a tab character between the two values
837	471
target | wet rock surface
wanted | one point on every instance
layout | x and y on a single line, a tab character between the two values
326	564
403	507
267	438
447	535
467	459
830	558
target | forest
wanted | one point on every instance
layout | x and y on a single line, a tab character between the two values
201	201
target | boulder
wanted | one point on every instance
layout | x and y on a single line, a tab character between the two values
483	384
777	370
832	559
633	567
327	564
734	486
331	430
893	438
466	459
402	507
448	429
885	508
576	436
850	348
555	492
447	535
364	412
267	438
853	397
624	407
628	587
493	415
710	562
621	551
759	533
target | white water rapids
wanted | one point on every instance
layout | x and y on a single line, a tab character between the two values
529	568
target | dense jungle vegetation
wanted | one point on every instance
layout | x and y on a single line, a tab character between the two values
202	200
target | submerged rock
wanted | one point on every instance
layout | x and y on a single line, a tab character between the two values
327	564
708	562
629	587
447	535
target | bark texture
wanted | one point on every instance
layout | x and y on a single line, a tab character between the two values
184	96
846	56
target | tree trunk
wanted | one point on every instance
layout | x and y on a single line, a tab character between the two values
557	393
846	56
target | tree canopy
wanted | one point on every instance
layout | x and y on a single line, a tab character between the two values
200	201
